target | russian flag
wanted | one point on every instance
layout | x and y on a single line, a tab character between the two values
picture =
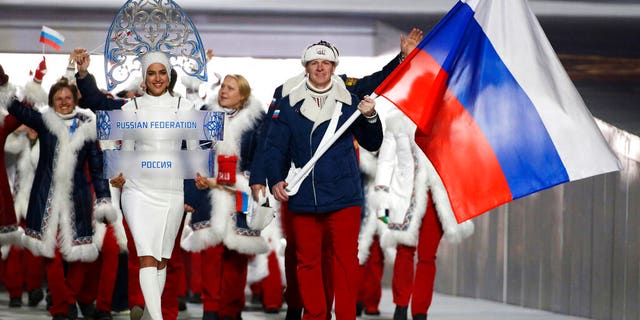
51	37
497	114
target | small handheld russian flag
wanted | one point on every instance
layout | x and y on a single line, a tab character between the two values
51	37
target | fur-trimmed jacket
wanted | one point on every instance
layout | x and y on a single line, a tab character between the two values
60	208
370	225
219	214
9	230
409	178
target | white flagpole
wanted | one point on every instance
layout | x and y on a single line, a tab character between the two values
96	48
294	182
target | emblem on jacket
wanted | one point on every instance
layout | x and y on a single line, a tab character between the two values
103	125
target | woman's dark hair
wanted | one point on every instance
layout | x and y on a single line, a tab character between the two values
61	84
172	82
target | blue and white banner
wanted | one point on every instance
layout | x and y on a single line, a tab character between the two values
178	164
160	125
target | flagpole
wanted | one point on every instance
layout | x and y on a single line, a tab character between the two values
294	184
96	48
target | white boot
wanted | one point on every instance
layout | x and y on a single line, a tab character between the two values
151	292
162	278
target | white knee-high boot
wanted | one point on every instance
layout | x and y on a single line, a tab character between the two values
162	278
151	292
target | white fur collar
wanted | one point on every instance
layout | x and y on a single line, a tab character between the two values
234	127
86	130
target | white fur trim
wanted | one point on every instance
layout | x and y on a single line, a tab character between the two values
26	171
258	268
118	226
99	230
368	162
12	238
399	130
4	251
105	210
245	119
232	240
34	94
368	228
209	236
453	232
7	95
15	143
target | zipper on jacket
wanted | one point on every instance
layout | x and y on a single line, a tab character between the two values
313	180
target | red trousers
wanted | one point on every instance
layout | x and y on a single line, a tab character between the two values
419	288
371	278
292	292
314	234
77	284
211	259
22	269
84	282
108	264
175	274
232	284
272	285
193	272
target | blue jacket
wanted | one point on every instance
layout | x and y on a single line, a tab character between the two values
360	87
334	183
94	99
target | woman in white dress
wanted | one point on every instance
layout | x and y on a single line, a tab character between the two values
153	207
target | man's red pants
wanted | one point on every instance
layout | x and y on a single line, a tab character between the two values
340	231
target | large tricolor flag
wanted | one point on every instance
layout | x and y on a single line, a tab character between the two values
51	37
497	114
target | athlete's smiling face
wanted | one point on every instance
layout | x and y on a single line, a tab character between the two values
157	79
63	101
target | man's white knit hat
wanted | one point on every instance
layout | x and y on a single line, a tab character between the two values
155	57
321	50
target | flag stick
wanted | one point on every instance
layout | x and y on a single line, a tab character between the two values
96	48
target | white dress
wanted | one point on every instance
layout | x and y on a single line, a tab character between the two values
153	207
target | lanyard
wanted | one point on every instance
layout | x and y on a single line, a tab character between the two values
74	126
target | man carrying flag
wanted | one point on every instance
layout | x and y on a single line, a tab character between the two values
51	38
499	117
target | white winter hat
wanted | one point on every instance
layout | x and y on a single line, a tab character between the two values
321	50
155	57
